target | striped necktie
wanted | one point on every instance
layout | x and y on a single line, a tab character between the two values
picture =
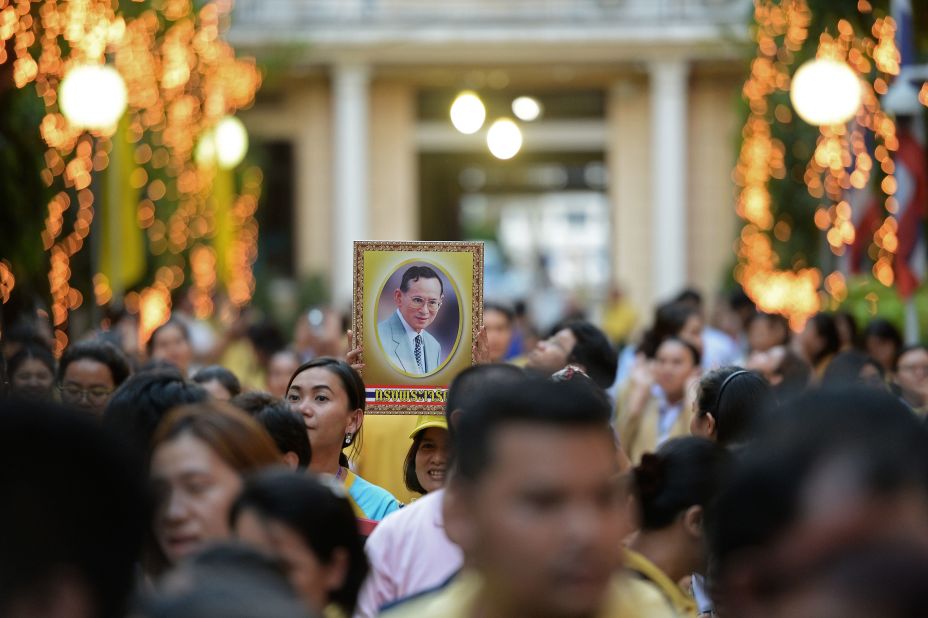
418	351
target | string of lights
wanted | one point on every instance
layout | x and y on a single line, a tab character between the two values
181	79
838	163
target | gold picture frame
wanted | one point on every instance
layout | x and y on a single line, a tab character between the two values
382	312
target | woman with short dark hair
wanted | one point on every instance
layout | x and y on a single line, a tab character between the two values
426	465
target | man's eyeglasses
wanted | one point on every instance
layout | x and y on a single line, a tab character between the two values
74	393
418	302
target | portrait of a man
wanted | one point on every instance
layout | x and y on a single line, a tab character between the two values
404	335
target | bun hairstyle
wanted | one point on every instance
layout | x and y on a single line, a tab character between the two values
736	398
685	472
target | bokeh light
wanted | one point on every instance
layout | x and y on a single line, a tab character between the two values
92	96
504	139
825	92
468	113
526	108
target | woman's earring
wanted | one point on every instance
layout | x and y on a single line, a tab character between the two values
348	437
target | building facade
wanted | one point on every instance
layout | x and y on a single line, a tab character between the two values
625	178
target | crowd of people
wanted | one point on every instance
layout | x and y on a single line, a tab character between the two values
711	465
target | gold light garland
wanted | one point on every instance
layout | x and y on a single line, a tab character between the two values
794	292
182	78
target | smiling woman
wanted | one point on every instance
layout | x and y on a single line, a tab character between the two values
427	460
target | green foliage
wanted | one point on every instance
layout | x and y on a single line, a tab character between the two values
23	195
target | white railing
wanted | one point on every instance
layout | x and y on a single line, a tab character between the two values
290	14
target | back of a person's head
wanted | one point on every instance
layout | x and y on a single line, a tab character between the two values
253	402
100	351
469	385
227	579
796	375
844	369
531	402
593	352
685	472
286	427
319	512
74	511
220	374
735	398
140	403
870	435
239	440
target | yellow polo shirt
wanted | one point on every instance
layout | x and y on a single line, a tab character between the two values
683	604
626	598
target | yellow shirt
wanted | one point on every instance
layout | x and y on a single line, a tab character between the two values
626	598
384	444
682	603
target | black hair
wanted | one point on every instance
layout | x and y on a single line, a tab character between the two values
319	512
139	404
774	319
669	320
500	308
844	369
796	374
467	387
352	383
826	328
736	398
414	273
150	344
563	405
100	351
593	352
410	479
684	472
883	446
693	350
25	332
220	374
75	504
266	337
31	351
851	323
909	348
285	426
689	296
883	329
226	579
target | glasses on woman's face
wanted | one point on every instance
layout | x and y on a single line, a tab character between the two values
418	302
97	394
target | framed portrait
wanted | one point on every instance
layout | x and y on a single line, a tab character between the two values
417	309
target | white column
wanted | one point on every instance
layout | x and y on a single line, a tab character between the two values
668	176
350	86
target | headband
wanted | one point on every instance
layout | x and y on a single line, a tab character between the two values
718	400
